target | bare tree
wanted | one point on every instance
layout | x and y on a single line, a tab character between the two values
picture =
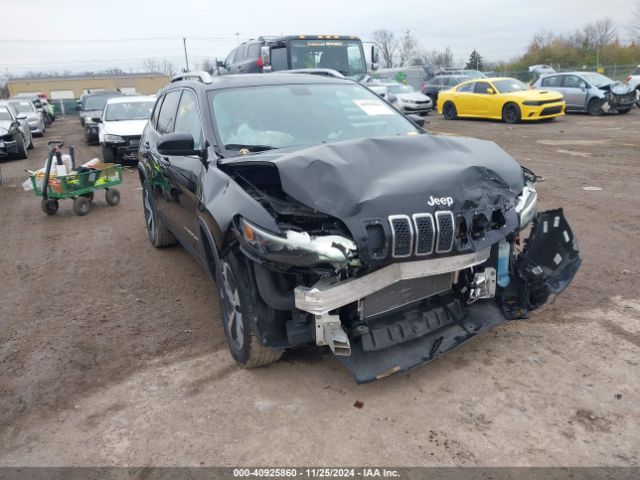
387	46
207	66
634	25
442	58
606	32
541	40
165	66
408	47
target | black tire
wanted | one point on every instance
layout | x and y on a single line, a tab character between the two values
511	114
107	154
22	148
595	107
624	110
30	146
159	235
112	196
90	196
50	206
81	205
449	111
238	307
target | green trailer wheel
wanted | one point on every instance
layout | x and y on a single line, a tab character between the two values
50	206
112	196
81	205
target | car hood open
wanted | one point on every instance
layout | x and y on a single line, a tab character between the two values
368	179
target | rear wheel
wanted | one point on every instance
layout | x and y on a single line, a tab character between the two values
50	206
511	113
159	235
595	107
112	196
449	111
238	308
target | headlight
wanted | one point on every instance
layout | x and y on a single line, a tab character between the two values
527	204
297	248
531	103
113	138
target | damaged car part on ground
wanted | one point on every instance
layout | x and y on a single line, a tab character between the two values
327	217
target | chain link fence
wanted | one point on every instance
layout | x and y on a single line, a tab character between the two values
615	72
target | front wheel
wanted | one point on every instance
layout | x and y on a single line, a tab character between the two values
449	111
238	307
511	114
81	205
595	107
107	154
22	147
50	206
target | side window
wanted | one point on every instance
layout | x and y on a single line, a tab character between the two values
156	112
167	115
188	118
554	81
467	87
253	52
571	81
279	59
241	54
229	60
481	87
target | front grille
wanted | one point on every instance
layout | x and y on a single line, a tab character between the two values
422	231
551	111
446	228
402	236
425	233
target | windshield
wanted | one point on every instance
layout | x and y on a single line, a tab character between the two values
23	106
509	85
393	88
287	115
128	111
345	56
4	114
95	102
596	79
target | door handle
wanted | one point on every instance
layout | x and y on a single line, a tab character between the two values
165	161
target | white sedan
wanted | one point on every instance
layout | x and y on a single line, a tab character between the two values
408	100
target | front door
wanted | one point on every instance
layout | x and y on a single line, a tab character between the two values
574	90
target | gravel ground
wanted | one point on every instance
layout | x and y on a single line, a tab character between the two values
112	352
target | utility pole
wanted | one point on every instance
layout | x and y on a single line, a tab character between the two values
186	58
238	37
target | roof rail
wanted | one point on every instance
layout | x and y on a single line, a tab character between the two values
326	72
199	76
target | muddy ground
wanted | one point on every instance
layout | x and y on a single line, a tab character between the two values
112	352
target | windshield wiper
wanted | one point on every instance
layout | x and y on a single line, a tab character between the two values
251	148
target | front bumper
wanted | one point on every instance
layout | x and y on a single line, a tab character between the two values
8	147
540	112
417	108
125	151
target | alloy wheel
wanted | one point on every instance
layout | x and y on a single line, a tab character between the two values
233	321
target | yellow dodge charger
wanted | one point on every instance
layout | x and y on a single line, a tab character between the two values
507	99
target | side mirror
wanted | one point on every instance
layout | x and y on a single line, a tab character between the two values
22	116
265	56
416	119
96	120
391	98
490	91
178	144
219	64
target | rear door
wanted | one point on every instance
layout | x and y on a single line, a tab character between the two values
159	163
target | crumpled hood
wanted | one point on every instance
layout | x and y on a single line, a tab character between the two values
373	178
618	88
125	127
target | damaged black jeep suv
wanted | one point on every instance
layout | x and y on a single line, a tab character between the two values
327	217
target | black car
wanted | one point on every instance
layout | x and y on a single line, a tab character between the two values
90	107
441	82
12	138
327	217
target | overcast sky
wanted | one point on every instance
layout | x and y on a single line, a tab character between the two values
81	34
